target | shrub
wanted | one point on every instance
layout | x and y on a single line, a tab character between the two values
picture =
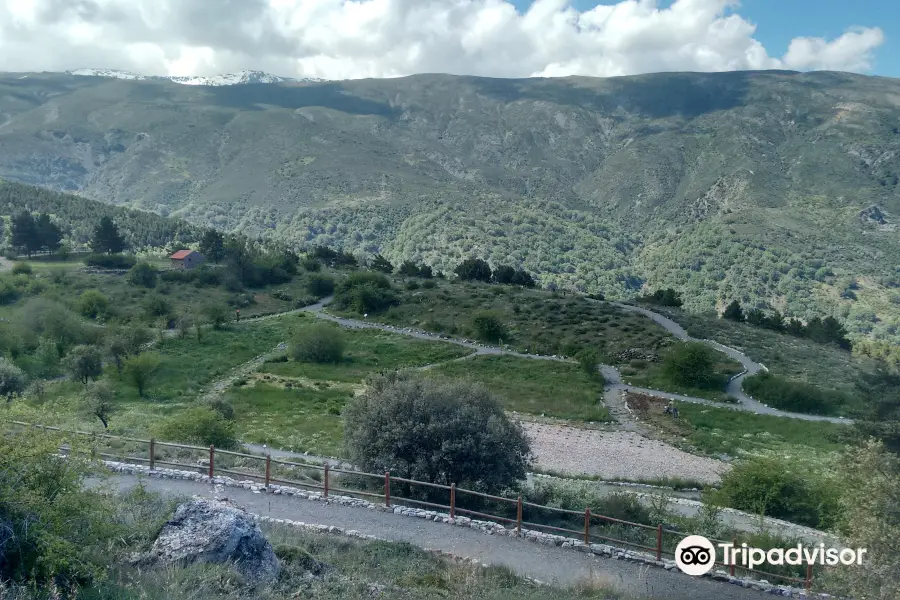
489	326
311	265
199	425
691	363
143	274
53	529
436	431
320	284
21	268
84	363
110	261
364	293
412	285
12	379
217	315
321	343
474	269
429	284
141	369
589	361
157	306
99	401
93	304
793	396
222	407
768	486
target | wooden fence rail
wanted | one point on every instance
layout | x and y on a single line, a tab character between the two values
386	479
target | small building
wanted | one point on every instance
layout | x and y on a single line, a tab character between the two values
187	259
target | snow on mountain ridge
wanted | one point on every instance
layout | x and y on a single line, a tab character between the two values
240	78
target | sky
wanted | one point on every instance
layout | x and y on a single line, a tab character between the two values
348	39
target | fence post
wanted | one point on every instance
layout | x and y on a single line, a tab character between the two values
387	488
325	480
519	516
587	526
268	469
808	584
731	566
152	453
659	541
452	500
212	458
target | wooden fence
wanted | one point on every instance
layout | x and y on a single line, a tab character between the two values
658	533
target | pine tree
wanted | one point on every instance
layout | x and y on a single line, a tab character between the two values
380	263
212	246
107	238
25	233
49	233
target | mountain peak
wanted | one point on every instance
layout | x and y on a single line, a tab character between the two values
239	78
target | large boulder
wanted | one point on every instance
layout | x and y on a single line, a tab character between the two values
214	531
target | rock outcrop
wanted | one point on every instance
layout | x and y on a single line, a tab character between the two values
212	531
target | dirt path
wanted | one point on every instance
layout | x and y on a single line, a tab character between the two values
614	381
545	563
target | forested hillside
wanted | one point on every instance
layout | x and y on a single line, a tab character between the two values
777	189
77	217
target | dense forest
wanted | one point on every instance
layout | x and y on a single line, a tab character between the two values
77	216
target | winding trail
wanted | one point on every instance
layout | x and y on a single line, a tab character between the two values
614	386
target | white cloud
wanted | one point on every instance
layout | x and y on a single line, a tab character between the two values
386	38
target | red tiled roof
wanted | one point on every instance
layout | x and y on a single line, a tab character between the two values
181	254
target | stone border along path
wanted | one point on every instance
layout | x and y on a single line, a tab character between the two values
558	560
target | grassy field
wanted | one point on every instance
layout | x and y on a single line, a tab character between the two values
717	431
287	404
795	358
653	376
536	387
538	321
371	350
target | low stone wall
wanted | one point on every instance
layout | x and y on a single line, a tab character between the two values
487	527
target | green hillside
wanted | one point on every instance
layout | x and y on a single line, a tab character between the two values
775	188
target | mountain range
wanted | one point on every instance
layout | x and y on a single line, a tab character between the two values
776	188
240	78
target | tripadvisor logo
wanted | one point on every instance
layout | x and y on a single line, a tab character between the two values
696	555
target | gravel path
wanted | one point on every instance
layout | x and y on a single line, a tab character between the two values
616	455
612	375
546	563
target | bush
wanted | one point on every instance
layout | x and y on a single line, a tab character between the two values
321	343
157	306
320	284
141	369
200	425
110	261
143	274
21	268
794	396
589	361
12	379
311	265
84	363
99	401
691	363
489	326
436	431
51	527
474	269
429	284
93	304
768	486
217	315
365	293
